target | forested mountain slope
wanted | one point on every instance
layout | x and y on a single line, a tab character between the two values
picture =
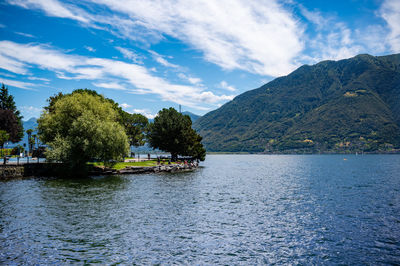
333	106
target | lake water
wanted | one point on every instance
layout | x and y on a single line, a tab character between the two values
236	209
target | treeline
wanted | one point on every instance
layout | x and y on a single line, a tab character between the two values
85	126
11	128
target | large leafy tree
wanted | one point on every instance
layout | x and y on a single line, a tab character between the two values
10	117
135	127
4	136
172	132
82	126
135	124
10	123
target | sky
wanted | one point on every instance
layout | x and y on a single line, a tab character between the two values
152	54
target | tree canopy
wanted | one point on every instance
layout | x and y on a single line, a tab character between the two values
4	136
10	117
82	126
10	123
134	124
172	132
135	127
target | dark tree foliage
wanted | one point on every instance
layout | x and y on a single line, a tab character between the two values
30	139
172	132
135	126
12	124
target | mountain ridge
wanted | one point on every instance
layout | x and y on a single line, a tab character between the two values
192	116
351	103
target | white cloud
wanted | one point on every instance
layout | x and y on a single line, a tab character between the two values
262	37
235	34
144	112
336	44
41	79
125	105
192	80
162	61
25	34
105	73
209	97
19	84
53	8
7	75
259	37
373	37
225	86
90	49
12	65
30	111
129	54
315	17
333	39
390	11
110	85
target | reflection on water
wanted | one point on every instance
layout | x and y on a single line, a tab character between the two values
236	209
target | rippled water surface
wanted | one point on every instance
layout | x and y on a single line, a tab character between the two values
236	209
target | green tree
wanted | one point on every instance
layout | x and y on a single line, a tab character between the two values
10	123
53	99
35	141
172	132
135	127
80	127
30	140
135	124
13	125
4	136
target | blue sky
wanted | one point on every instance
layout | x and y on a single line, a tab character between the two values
151	54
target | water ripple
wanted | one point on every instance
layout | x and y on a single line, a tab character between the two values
237	209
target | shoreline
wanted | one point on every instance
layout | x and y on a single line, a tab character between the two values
11	171
306	153
171	168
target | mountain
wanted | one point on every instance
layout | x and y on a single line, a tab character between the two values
29	124
333	106
194	117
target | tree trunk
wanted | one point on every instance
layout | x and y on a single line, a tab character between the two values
174	156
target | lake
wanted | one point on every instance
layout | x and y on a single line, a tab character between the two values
235	209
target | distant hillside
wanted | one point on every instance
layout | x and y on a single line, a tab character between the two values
333	106
30	124
194	117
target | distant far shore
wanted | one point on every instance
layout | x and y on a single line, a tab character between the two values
307	153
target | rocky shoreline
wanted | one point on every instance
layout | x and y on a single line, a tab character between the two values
8	172
170	168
